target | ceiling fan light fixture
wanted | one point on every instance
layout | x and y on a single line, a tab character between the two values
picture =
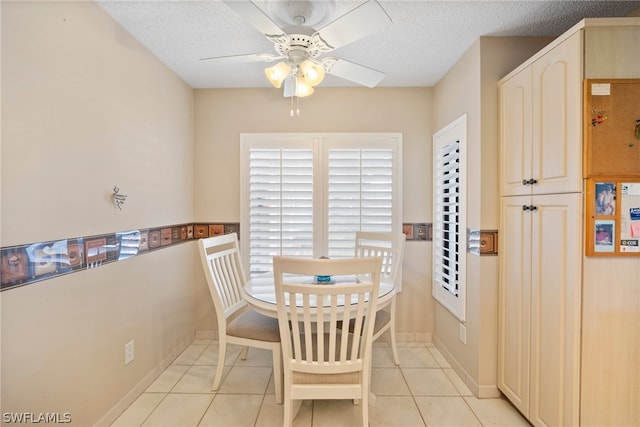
277	73
313	73
302	87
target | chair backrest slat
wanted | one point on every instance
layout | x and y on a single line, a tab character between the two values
310	315
222	265
389	246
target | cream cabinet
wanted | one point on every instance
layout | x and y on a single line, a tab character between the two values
567	355
541	145
539	345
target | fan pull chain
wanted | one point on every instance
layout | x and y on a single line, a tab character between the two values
297	112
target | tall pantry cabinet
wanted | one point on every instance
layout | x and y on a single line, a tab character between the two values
541	283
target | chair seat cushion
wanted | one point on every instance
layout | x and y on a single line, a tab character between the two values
256	326
382	318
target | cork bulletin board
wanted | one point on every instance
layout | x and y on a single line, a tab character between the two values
613	217
612	127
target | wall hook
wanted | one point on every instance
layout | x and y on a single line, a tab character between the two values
118	199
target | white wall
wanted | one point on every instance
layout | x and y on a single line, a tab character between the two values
223	114
86	107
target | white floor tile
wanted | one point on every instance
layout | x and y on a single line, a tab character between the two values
429	382
197	379
190	354
416	357
232	410
246	380
457	382
394	411
139	410
336	413
423	391
210	355
168	379
184	410
496	412
388	382
446	411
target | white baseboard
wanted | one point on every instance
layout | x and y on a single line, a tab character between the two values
413	336
480	391
113	414
206	335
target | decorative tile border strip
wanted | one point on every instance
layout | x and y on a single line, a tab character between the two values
418	231
25	264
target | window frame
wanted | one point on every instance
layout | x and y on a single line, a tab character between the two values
320	143
454	132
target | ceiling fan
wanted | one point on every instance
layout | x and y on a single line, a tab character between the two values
300	47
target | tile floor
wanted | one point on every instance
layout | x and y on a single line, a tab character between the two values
423	391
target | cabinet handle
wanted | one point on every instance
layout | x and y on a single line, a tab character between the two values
525	207
525	182
531	181
529	208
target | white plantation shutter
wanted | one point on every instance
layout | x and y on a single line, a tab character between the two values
447	208
360	196
449	217
306	195
281	205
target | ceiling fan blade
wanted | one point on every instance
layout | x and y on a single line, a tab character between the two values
255	16
367	18
353	72
242	59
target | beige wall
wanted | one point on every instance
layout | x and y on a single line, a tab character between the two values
471	87
86	107
223	114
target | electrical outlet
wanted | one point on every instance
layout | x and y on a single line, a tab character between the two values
129	352
462	333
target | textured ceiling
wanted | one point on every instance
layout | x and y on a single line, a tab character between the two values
423	43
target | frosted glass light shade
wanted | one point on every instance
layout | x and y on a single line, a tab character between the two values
313	73
277	73
302	87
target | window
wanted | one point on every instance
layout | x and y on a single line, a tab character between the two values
307	194
449	217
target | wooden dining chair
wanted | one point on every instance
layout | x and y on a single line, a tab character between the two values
389	246
237	323
322	361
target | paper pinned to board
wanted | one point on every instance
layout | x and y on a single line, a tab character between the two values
601	89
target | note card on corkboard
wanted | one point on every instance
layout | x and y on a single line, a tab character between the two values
611	128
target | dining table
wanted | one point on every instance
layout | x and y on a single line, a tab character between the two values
260	292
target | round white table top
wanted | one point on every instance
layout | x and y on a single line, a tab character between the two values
261	293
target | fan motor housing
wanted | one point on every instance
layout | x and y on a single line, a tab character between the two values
302	46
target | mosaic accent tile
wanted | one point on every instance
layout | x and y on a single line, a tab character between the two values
24	264
418	231
200	231
488	242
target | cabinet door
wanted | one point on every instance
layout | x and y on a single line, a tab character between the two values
555	309
514	300
557	112
515	133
